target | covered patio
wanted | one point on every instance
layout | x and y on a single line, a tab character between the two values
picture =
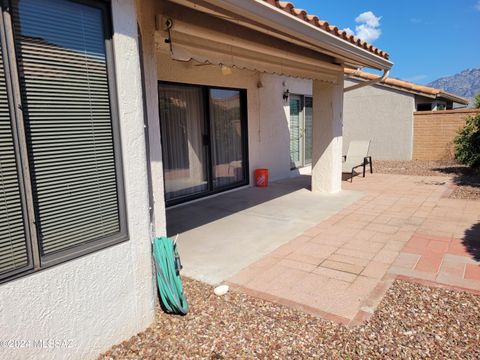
221	235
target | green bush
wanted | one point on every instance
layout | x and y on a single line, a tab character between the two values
476	102
467	143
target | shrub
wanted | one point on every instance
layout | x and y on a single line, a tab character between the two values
476	101
467	143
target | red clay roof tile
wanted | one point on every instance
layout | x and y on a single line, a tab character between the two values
406	85
325	26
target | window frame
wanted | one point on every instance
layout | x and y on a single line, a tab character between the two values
206	119
37	261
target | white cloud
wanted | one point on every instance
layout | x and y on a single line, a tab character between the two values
349	31
369	19
368	28
477	5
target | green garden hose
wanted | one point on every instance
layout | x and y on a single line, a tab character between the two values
168	266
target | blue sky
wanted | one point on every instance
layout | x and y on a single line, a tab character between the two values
426	39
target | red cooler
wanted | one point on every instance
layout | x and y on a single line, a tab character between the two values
261	177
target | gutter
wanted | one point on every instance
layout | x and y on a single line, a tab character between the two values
311	36
367	83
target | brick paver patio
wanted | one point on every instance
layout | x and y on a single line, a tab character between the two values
404	226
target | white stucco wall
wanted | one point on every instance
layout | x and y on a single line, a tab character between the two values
383	115
103	298
274	122
146	10
327	136
268	113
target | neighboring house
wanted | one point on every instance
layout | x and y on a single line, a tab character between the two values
384	113
111	111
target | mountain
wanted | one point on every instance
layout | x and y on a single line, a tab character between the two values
465	83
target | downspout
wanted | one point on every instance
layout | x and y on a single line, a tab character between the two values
368	83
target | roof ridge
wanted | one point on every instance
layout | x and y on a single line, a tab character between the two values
324	25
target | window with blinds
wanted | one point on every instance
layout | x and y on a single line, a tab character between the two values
61	49
13	245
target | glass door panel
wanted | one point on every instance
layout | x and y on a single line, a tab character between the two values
295	131
308	127
183	128
226	134
301	123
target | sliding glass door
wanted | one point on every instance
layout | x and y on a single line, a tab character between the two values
184	151
203	140
300	131
226	137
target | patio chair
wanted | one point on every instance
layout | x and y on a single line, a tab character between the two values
357	155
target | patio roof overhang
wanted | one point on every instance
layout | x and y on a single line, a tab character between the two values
209	38
262	17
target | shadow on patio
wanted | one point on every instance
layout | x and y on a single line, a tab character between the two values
462	175
471	241
193	215
220	236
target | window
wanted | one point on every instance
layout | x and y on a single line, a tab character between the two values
204	140
61	189
424	107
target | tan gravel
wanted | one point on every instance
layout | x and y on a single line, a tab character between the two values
412	322
466	179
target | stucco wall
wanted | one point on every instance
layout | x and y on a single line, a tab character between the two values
383	115
103	298
268	127
146	10
274	120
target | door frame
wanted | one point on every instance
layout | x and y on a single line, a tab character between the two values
208	148
302	129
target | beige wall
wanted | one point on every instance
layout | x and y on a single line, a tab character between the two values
383	115
434	132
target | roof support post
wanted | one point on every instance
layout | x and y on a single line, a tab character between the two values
327	136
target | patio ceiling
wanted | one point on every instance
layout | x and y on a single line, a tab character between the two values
209	39
295	27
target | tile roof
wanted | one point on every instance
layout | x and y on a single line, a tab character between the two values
325	26
405	85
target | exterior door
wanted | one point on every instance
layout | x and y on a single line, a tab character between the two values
204	140
300	131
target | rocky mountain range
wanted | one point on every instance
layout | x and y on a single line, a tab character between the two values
465	83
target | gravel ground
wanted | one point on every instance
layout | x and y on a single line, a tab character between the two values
466	179
412	322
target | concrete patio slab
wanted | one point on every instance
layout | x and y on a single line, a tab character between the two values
220	236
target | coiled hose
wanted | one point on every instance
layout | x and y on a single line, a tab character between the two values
168	266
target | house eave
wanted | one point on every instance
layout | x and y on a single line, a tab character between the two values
263	17
451	97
